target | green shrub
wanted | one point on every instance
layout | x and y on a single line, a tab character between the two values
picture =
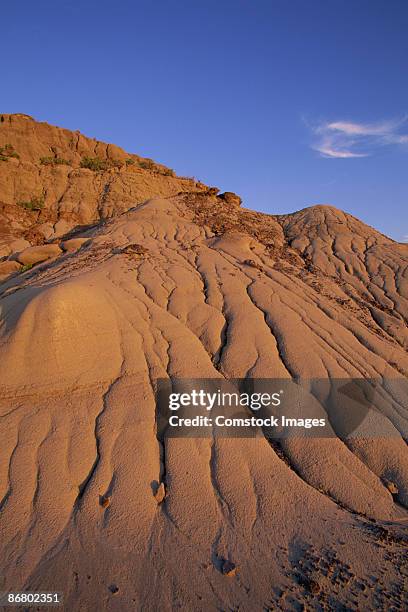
99	165
93	163
8	151
53	161
129	161
149	164
36	203
25	268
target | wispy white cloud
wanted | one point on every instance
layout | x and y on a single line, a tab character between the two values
330	149
347	139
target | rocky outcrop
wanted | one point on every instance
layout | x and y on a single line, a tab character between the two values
231	198
73	244
34	255
53	180
7	268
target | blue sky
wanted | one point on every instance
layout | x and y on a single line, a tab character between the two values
287	102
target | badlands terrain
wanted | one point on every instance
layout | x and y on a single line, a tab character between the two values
115	272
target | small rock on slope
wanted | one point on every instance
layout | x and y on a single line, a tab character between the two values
37	254
7	268
73	244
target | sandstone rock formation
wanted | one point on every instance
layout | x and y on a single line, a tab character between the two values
162	287
73	244
58	180
36	254
8	267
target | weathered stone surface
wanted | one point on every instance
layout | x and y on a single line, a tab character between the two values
213	191
231	198
7	268
46	230
73	244
62	227
36	254
19	245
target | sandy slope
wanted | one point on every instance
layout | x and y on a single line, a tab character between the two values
216	291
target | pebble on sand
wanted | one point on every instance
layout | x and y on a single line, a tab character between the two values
228	568
391	486
160	493
105	501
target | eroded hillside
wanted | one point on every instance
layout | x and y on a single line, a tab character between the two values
52	180
169	279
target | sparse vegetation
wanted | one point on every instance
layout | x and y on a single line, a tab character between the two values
99	165
8	151
94	163
167	171
149	164
25	268
54	161
36	203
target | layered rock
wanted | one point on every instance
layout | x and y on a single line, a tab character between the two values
57	180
